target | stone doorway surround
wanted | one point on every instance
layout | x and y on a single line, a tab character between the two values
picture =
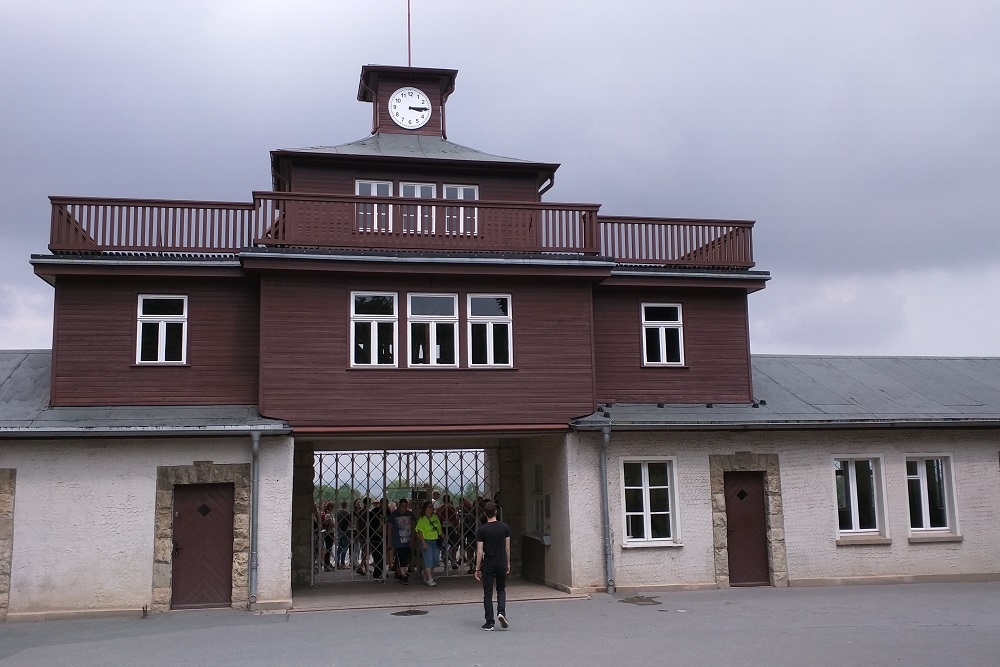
200	472
718	465
7	478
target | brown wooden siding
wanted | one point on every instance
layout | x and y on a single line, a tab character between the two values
95	338
326	180
716	347
306	376
387	85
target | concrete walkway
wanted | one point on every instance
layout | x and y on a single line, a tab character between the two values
917	625
378	595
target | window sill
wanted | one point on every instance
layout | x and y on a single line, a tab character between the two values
649	544
941	537
429	367
863	540
164	364
678	366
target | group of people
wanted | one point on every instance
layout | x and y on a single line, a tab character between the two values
373	535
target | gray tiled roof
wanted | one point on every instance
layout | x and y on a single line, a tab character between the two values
835	391
25	412
412	146
789	391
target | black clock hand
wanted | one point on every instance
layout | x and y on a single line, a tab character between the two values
419	109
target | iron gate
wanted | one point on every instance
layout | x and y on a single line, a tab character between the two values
355	491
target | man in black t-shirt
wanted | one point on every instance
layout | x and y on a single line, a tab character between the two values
493	564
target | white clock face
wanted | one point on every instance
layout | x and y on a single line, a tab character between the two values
409	108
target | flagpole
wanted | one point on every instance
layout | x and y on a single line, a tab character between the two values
409	51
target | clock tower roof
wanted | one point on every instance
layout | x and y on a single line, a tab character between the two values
442	80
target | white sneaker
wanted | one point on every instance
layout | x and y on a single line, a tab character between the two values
503	621
431	582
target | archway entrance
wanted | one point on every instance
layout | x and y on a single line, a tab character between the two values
354	493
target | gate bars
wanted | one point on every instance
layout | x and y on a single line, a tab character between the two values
354	492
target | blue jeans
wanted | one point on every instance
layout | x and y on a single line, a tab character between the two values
432	554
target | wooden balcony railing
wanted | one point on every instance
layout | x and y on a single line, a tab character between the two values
677	242
347	222
150	225
330	221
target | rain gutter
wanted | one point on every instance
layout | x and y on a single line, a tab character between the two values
395	259
791	424
130	431
609	555
254	514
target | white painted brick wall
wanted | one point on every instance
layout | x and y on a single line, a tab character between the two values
83	518
808	494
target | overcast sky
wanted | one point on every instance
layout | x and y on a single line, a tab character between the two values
863	137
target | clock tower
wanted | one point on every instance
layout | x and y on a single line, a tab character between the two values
407	100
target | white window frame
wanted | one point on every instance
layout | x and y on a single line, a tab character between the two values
161	321
373	321
491	321
380	215
468	216
432	321
878	491
948	479
672	495
661	327
422	210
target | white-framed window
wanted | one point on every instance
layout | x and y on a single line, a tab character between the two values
374	217
662	334
417	217
161	329
860	498
461	219
490	339
930	493
433	320
373	328
649	501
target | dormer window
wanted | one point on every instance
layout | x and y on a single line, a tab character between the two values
161	336
662	334
461	219
374	217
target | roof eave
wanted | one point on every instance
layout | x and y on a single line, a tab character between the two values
790	424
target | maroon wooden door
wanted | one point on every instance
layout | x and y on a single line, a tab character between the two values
203	546
746	529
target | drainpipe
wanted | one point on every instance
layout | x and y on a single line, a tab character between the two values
254	503
609	555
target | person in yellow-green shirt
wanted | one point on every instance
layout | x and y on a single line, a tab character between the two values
428	530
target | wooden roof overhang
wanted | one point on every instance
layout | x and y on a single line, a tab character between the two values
591	269
332	433
443	79
628	276
48	267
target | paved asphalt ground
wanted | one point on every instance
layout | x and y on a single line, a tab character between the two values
912	625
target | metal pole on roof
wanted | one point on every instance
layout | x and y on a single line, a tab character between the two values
409	50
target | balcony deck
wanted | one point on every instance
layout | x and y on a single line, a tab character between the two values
90	225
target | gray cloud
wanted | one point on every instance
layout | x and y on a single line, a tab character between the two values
863	138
